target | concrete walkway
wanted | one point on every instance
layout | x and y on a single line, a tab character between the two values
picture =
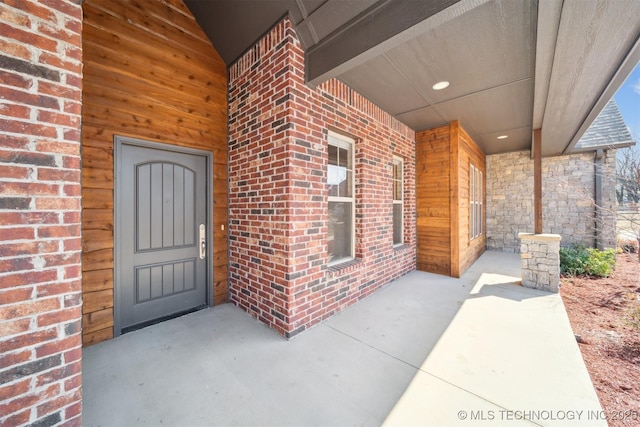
427	350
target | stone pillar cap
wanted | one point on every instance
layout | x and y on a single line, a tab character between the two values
541	237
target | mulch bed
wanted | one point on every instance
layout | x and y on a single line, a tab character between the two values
600	311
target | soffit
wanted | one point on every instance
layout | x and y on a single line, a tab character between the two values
233	26
596	41
486	56
513	66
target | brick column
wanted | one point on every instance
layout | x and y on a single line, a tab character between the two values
278	197
540	255
40	271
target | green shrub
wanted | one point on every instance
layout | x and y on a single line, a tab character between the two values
577	260
601	263
573	259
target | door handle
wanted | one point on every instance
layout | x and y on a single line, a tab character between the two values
203	242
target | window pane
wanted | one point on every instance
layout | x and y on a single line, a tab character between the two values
480	195
346	184
340	172
344	158
479	219
472	217
397	223
397	179
339	181
333	172
472	221
479	187
340	233
476	190
333	155
335	177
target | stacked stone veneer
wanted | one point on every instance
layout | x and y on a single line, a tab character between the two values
40	270
607	210
278	198
568	199
509	200
540	255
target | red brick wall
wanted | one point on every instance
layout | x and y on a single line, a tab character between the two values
278	200
40	291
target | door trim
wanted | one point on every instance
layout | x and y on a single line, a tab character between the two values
118	142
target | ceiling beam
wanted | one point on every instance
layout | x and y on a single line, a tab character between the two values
548	23
321	21
383	26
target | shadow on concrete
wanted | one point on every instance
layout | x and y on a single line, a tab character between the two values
418	352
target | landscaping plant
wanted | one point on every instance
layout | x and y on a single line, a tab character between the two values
578	260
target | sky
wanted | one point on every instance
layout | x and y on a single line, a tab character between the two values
628	100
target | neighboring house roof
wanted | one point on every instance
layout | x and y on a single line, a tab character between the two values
607	131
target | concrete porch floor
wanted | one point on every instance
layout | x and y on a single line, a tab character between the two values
426	350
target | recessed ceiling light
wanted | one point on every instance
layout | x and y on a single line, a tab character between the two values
503	137
441	85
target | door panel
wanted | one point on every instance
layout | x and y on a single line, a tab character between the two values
165	203
161	201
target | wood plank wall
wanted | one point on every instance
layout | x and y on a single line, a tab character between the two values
432	201
149	73
443	158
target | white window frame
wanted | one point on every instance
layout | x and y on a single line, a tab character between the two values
398	161
345	142
476	196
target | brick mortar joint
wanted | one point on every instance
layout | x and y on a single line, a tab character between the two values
325	88
393	129
246	62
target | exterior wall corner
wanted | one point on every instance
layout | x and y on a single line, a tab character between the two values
278	197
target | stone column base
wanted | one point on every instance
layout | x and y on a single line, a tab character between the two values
540	261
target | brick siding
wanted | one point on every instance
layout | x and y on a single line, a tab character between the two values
278	199
568	199
40	271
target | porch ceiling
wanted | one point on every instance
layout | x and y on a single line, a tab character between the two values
513	66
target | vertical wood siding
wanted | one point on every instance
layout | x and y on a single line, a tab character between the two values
149	73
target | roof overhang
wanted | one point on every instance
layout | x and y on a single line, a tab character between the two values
514	66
